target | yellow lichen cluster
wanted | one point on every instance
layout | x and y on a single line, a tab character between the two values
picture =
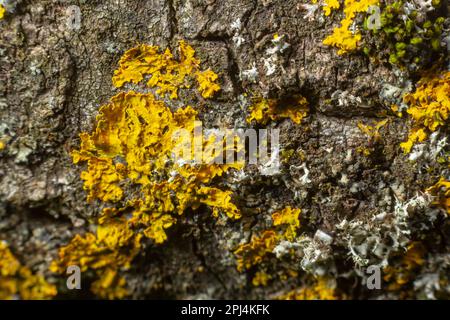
429	107
264	110
254	252
321	289
261	279
288	218
442	192
167	73
330	5
134	143
134	165
17	281
398	276
111	250
343	37
396	110
373	131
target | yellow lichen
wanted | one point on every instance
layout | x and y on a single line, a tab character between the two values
111	250
287	274
396	110
18	281
218	200
136	161
138	130
330	5
97	252
322	289
373	131
343	37
102	178
429	107
442	192
252	253
364	151
260	279
207	81
398	276
110	285
415	135
286	155
264	110
290	218
167	73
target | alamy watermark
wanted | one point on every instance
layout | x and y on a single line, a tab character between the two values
373	281
74	277
374	18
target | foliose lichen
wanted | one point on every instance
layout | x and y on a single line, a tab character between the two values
133	167
18	281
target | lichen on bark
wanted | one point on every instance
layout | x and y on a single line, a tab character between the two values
361	200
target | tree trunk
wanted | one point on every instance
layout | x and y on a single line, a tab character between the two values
56	65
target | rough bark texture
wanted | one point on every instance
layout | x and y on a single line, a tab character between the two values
53	79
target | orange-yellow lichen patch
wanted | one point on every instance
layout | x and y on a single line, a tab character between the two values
2	12
90	252
373	131
110	250
321	289
218	200
429	107
442	192
343	37
157	228
415	135
396	110
264	110
252	253
18	281
260	279
142	160
166	72
330	5
397	276
133	144
102	178
207	82
110	285
290	218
